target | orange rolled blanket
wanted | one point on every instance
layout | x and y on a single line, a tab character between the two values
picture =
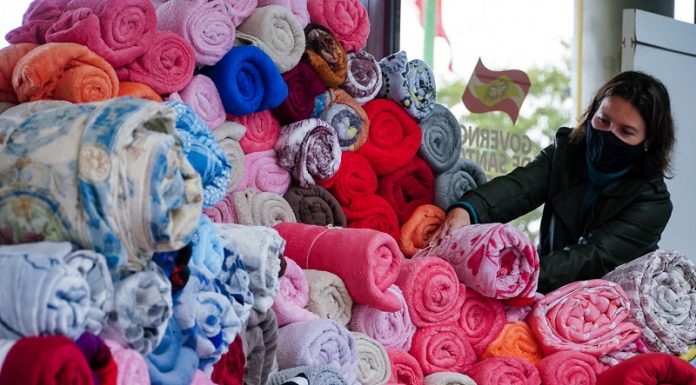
516	340
138	90
9	56
418	229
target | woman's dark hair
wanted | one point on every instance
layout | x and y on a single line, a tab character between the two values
649	96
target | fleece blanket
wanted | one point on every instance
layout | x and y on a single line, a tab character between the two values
264	173
242	9
374	367
345	115
347	19
45	360
132	367
38	18
99	358
662	289
261	209
228	136
293	296
587	316
203	98
138	90
448	378
328	296
223	211
118	31
9	56
326	55
372	212
233	281
515	340
370	255
408	187
464	176
64	71
481	319
431	289
207	250
627	351
297	7
649	369
248	81
276	31
394	136
318	342
203	152
171	363
442	139
442	348
519	313
304	86
354	179
363	77
314	205
230	369
503	371
404	368
417	230
391	329
24	110
260	340
262	130
497	260
410	83
206	25
310	150
308	375
167	66
569	368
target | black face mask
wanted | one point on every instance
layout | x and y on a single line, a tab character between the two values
607	153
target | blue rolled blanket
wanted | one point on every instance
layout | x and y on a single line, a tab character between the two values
171	363
409	83
442	139
452	184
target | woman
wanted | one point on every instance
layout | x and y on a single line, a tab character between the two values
602	183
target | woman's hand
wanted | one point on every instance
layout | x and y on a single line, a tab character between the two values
456	218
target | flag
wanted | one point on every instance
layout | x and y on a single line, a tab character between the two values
439	26
496	91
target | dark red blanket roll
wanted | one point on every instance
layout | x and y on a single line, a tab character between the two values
230	369
304	85
408	187
373	212
650	369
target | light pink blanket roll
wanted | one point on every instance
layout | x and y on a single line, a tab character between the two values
289	305
203	97
347	19
262	172
391	329
242	9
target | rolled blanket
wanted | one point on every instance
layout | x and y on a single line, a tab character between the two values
41	295
409	83
304	86
132	367
99	358
141	310
44	361
404	368
347	19
374	367
481	319
310	375
431	290
203	152
9	56
372	212
205	24
515	340
367	261
207	252
223	211
230	369
248	81
627	351
417	230
260	248
314	205
318	342
227	136
310	150
261	209
516	313
503	371
167	66
363	77
276	31
408	187
355	178
263	173
171	363
442	139
394	136
569	368
64	71
233	281
260	341
262	131
328	296
326	55
661	287
496	260
448	378
289	305
391	329
138	90
442	348
297	7
466	175
648	369
345	115
587	316
118	31
242	9
203	98
38	18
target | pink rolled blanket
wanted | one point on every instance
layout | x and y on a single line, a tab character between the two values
203	97
404	368
347	19
497	260
242	9
431	290
223	211
289	305
297	7
391	329
481	320
569	368
119	31
587	316
38	18
263	172
262	131
132	367
367	261
504	371
442	348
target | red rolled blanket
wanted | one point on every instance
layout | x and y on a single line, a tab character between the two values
482	319
355	178
570	368
650	369
304	85
408	187
504	371
372	212
404	368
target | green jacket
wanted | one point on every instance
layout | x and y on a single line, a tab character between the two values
577	243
